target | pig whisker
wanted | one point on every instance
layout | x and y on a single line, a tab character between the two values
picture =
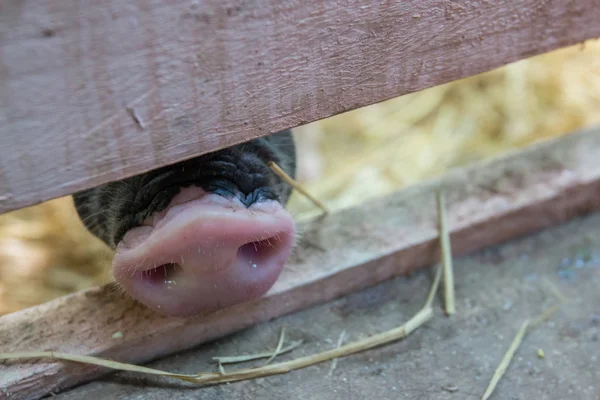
135	268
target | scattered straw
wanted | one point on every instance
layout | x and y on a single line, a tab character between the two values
555	291
296	185
545	315
525	327
377	340
278	348
449	297
393	335
433	291
339	343
258	356
505	361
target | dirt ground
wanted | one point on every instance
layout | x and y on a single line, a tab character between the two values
448	358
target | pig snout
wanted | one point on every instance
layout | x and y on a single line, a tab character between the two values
202	234
204	252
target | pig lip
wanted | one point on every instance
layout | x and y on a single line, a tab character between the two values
212	223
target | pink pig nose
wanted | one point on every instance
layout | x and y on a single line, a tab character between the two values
204	254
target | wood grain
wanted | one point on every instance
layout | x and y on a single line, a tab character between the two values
95	91
487	203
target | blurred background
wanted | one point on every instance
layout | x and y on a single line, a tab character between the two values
45	252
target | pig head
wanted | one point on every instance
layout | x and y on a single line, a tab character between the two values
201	234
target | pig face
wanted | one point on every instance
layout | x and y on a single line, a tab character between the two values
201	234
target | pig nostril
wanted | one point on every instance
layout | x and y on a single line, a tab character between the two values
161	274
256	253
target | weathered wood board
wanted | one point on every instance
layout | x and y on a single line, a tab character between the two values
95	91
446	359
488	203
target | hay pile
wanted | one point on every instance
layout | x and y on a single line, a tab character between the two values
45	251
379	149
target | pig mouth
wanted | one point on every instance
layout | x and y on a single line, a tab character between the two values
204	252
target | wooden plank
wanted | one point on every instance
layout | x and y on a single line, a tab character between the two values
95	91
497	290
488	203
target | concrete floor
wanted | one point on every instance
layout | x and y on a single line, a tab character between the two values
448	358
